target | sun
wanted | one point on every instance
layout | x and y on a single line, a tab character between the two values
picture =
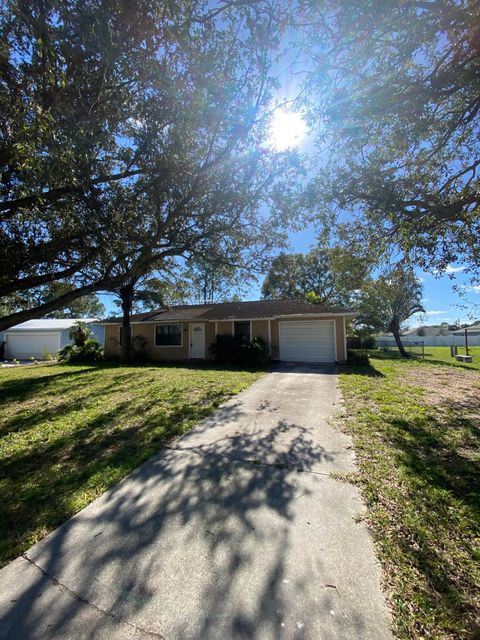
288	129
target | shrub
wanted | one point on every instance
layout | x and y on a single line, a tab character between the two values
258	353
355	358
233	351
139	354
369	342
226	349
84	348
79	333
90	351
357	342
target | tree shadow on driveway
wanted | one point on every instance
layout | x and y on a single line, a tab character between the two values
209	543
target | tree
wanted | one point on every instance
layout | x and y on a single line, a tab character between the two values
140	294
84	307
390	300
395	87
324	275
283	277
88	306
214	279
138	104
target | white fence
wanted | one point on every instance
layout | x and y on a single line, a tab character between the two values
433	341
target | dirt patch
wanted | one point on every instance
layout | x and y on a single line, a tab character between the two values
452	391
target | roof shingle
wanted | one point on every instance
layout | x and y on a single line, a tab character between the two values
235	311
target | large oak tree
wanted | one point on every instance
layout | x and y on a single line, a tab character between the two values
158	109
394	88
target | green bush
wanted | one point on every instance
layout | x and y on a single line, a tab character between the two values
357	342
232	351
79	333
90	351
258	353
355	358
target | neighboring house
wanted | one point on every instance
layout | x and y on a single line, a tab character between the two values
472	331
32	339
296	330
425	330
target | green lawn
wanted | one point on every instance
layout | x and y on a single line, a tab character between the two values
67	433
416	431
442	355
437	355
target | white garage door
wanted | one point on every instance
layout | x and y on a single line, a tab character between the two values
27	345
307	341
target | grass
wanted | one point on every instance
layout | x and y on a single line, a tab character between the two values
416	431
439	355
67	433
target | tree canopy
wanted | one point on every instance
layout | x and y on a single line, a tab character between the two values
131	133
394	88
325	275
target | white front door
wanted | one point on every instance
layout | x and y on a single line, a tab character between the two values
197	340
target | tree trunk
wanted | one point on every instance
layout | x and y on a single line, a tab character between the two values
126	296
401	348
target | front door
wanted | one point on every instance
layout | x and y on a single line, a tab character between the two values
197	340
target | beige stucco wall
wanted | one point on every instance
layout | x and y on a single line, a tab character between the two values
259	328
147	331
224	328
111	340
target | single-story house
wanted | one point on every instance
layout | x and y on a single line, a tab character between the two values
472	331
33	338
295	330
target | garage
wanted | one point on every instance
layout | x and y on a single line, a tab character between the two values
23	345
307	341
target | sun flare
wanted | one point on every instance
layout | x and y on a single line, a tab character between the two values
287	130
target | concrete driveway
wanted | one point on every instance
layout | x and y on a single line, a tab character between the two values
235	531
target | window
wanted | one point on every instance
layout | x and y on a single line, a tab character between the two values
242	331
120	334
168	335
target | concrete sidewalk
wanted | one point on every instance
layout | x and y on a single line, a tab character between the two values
235	531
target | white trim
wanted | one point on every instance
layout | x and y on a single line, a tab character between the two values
335	339
166	346
318	315
345	338
190	339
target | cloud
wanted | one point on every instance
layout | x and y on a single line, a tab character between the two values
435	313
450	269
474	287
